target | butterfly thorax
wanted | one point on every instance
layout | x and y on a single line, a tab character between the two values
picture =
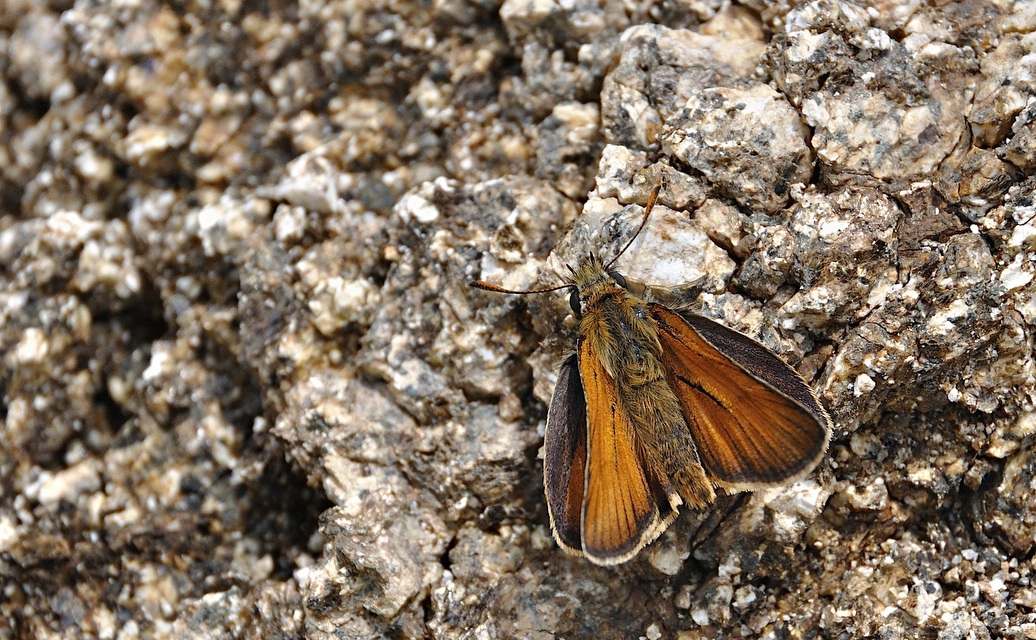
618	325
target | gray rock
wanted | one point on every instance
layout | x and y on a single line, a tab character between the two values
247	391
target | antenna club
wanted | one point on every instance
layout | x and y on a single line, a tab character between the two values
647	212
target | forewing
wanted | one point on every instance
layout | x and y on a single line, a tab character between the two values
564	456
756	422
620	514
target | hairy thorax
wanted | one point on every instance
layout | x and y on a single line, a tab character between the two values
625	337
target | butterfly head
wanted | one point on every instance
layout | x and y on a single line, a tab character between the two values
592	281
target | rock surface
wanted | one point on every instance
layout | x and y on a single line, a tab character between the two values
247	391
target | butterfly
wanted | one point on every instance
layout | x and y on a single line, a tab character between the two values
655	410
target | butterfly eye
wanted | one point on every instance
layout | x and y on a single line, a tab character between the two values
619	280
573	301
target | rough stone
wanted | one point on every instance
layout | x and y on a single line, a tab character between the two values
248	391
713	132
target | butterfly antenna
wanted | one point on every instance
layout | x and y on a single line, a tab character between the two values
647	212
487	286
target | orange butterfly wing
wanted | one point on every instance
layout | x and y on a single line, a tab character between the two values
620	512
756	422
